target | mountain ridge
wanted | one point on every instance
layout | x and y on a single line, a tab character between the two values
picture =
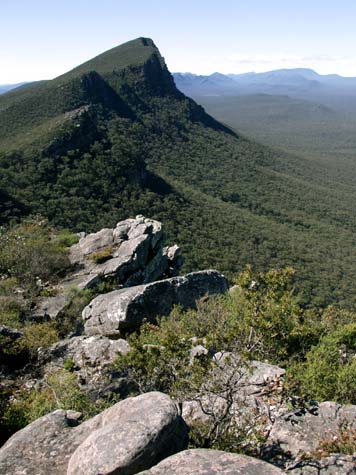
93	147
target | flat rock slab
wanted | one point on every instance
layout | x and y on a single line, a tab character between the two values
334	465
121	311
212	462
129	437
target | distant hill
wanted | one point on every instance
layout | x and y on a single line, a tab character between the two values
7	87
300	83
114	137
297	110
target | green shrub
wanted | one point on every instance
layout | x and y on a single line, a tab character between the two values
30	253
11	311
268	321
64	239
17	353
60	390
71	319
38	335
329	371
69	365
102	255
159	359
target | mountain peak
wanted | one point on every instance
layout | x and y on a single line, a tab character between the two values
132	53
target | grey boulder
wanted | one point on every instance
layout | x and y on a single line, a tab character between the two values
121	311
138	433
335	464
45	445
299	436
90	359
212	462
246	393
300	432
129	437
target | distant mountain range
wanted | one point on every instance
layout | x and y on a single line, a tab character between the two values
299	83
7	87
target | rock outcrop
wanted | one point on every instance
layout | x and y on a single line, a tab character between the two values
90	358
300	436
247	392
335	464
130	254
131	436
121	311
300	432
212	462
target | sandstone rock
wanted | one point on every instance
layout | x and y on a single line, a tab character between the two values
49	307
130	254
84	351
44	446
300	432
212	462
90	359
255	390
197	351
334	465
138	432
91	243
135	436
120	311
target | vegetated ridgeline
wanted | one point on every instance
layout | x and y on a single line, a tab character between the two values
115	378
114	138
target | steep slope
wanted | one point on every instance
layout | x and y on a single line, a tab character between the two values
114	137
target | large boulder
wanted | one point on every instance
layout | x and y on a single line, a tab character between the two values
45	445
130	254
146	429
129	437
212	462
121	311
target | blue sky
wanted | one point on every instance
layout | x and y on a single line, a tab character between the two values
41	39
